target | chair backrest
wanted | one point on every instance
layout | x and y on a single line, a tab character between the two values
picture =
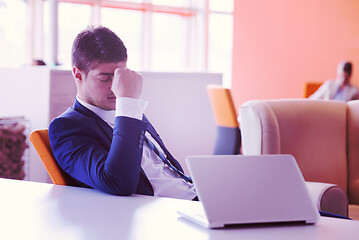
223	107
41	142
228	140
313	131
310	88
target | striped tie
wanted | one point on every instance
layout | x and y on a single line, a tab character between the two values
165	160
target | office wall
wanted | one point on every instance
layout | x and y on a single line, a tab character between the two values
280	44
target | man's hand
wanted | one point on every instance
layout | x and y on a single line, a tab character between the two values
127	83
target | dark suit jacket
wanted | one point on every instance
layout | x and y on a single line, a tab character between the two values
100	157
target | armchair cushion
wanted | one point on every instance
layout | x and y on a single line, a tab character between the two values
328	197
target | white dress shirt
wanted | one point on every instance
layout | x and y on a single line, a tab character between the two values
164	181
330	90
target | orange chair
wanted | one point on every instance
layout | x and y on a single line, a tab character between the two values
228	140
310	88
41	142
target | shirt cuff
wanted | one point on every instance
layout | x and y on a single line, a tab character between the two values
130	107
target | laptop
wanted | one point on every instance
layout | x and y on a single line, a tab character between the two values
238	189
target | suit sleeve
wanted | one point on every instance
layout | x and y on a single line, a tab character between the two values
112	167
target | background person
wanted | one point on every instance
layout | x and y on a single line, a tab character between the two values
340	88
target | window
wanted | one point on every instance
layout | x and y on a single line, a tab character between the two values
70	24
169	42
128	26
220	39
13	33
160	35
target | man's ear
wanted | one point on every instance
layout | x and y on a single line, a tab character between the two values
77	74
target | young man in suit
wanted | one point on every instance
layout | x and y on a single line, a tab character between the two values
104	141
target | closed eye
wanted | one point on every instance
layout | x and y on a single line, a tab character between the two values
105	78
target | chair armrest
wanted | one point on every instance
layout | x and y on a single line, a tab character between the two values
328	197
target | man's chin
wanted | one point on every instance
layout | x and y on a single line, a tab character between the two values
109	107
111	103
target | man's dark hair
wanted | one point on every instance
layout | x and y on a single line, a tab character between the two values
97	45
348	68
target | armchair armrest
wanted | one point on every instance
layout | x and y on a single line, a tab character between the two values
328	197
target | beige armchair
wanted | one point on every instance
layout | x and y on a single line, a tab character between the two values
323	136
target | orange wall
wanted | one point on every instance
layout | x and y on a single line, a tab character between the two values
280	44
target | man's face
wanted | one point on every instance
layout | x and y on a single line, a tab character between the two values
95	88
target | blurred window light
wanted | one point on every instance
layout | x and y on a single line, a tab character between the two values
168	43
13	33
220	42
221	5
73	18
160	35
172	3
131	34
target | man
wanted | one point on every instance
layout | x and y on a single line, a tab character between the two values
339	89
104	141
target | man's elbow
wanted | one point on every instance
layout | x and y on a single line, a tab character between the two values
124	191
120	187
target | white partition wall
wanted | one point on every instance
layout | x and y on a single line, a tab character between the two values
178	106
180	110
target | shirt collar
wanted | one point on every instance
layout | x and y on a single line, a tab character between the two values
107	116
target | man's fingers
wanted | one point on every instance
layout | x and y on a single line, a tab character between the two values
127	83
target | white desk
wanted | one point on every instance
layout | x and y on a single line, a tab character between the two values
30	210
